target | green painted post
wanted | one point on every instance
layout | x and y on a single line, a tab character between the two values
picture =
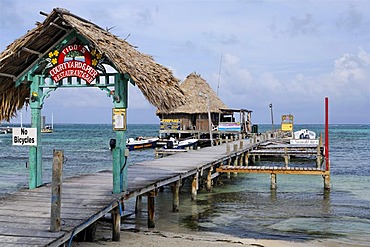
35	156
119	160
116	170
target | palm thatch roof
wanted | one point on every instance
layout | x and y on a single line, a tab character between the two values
196	92
157	83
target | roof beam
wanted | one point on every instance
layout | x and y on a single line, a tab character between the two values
31	51
58	26
19	79
8	75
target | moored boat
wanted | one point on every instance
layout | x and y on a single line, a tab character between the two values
140	143
305	137
174	144
304	134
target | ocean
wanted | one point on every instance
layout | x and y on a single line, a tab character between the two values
243	206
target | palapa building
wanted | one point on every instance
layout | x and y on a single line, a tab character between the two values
33	53
202	112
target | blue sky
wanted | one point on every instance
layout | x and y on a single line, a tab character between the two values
292	54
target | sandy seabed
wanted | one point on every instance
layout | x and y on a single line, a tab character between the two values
154	238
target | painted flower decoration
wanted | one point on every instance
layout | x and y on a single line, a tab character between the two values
54	61
94	62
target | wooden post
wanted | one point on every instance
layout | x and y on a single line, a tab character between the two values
194	187
286	157
138	204
56	191
241	159
327	181
228	163
227	145
318	154
246	159
209	179
240	142
273	181
151	196
116	224
175	187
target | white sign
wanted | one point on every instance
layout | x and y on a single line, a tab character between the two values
24	136
304	141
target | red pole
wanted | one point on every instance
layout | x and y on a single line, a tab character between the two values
327	134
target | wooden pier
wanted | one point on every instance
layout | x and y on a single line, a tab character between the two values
25	215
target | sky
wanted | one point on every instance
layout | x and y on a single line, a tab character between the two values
291	54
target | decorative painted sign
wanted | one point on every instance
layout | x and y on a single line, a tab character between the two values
170	124
232	126
24	136
287	122
74	61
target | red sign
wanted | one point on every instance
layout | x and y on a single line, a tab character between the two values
74	68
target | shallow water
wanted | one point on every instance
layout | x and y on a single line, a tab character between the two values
244	205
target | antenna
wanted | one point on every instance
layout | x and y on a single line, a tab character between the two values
219	75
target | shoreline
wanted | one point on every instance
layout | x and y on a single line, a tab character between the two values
155	237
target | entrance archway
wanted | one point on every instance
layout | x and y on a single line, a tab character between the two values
68	51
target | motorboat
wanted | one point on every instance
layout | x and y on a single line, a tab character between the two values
175	144
304	134
141	142
6	130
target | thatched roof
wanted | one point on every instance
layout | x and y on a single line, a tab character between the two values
195	88
156	82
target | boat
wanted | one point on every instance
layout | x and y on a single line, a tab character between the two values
6	130
174	144
304	137
141	142
304	134
47	128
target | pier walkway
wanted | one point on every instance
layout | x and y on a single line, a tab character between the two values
25	215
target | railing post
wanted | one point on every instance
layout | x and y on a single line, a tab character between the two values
56	191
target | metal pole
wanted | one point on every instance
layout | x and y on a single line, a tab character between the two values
327	134
272	118
209	120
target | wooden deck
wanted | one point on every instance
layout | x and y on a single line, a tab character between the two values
25	215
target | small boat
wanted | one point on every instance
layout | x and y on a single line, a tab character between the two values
140	143
174	144
304	134
6	130
47	128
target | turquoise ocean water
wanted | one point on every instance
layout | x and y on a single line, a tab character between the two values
244	205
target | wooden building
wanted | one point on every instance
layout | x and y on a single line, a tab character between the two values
203	114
